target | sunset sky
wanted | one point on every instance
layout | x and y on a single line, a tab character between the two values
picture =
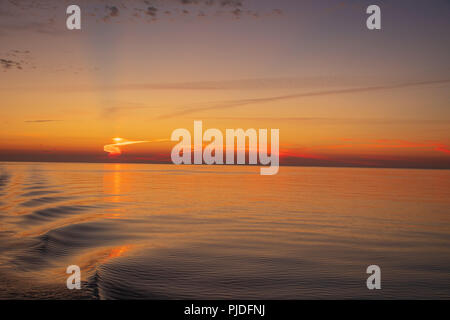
139	69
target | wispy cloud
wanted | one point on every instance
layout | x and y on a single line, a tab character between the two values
112	112
245	102
394	144
290	83
122	109
41	121
325	121
242	84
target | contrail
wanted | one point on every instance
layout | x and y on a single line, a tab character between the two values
244	102
114	149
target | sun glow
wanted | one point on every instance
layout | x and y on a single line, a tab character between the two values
114	149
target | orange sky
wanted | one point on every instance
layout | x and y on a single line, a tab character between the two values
340	94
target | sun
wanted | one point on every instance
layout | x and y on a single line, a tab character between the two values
117	140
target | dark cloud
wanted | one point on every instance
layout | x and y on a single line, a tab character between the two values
223	3
10	64
16	59
140	9
151	11
111	12
106	10
237	12
114	11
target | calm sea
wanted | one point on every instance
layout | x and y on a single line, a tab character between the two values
164	231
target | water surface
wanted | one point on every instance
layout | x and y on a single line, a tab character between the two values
207	232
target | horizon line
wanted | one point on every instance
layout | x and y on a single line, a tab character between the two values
237	165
